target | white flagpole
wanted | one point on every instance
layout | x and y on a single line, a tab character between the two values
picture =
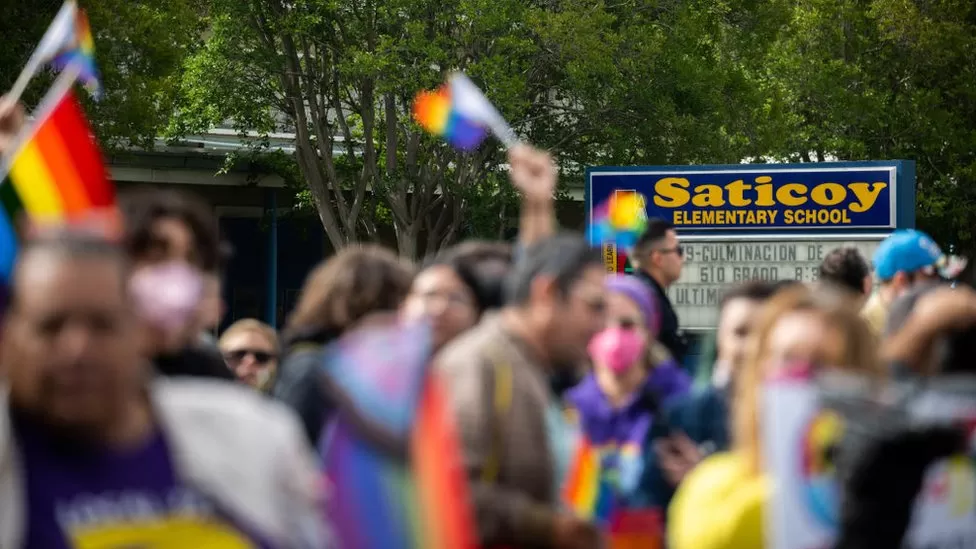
48	47
58	90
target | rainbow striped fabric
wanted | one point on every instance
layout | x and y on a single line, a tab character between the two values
79	49
590	491
438	113
380	498
56	174
587	491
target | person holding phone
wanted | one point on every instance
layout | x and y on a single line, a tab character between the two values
618	404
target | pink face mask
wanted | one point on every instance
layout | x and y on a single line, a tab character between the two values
167	295
616	348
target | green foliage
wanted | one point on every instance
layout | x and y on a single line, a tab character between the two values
598	82
342	74
139	47
882	80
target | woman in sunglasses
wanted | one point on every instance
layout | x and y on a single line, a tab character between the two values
250	348
618	404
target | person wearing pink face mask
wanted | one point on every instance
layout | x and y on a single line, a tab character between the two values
618	404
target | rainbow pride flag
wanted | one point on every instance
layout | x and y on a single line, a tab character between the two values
587	491
461	114
66	42
591	493
380	498
79	49
55	174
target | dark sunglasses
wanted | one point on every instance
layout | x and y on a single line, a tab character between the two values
261	357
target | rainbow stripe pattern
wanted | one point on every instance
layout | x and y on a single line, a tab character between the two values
438	112
619	220
587	491
56	175
378	502
79	49
379	499
590	491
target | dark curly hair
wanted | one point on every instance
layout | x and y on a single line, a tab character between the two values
142	207
846	268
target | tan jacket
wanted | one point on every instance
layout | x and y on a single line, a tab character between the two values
512	482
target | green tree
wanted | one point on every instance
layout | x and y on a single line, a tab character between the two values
342	75
140	46
652	82
886	79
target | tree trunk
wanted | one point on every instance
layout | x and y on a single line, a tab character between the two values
407	237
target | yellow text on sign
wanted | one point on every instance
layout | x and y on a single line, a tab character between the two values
673	192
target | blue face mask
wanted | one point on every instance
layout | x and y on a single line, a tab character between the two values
167	295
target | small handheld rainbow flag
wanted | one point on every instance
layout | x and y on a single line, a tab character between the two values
80	49
620	220
381	499
55	172
590	493
67	41
460	113
587	491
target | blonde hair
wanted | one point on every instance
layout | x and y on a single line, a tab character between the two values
838	310
251	325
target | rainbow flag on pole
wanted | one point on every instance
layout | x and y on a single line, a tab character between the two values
67	43
78	47
391	458
461	114
55	172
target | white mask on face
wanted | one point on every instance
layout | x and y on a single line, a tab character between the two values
167	295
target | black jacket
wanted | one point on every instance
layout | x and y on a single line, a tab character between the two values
298	383
668	335
195	361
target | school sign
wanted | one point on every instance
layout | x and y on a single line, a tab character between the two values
759	221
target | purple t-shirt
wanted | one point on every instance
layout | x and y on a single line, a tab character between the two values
103	500
621	433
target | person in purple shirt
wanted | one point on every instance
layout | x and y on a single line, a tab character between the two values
97	453
617	404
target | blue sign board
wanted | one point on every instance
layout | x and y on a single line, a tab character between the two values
849	197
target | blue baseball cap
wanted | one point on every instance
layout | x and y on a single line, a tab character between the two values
907	251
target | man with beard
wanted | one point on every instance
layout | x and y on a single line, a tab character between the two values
515	445
97	452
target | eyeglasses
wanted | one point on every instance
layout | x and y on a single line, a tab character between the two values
677	249
261	357
453	299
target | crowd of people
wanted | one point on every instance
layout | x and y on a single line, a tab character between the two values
123	425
